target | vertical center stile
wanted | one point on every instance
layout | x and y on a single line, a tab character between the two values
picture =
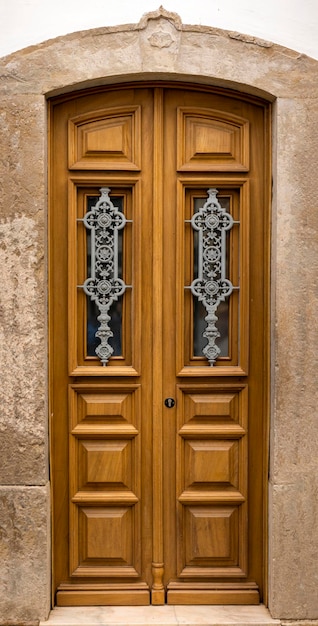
158	592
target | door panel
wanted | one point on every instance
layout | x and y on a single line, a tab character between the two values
83	322
233	324
158	192
104	479
214	534
212	481
101	416
211	139
107	139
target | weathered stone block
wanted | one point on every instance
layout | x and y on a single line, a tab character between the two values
295	271
23	354
24	553
293	548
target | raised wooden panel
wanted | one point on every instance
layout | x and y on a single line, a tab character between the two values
107	533
221	412
220	406
214	543
112	405
211	535
106	542
103	410
211	462
212	140
107	462
107	139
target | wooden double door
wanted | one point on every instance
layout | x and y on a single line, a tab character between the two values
158	278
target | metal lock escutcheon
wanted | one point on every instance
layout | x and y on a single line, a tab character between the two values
169	403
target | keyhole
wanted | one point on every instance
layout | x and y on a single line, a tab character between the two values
169	402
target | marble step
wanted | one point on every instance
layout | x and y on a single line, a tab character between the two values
161	615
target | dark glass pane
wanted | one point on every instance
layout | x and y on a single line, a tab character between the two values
115	310
199	311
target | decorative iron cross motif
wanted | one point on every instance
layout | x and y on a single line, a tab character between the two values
104	286
211	285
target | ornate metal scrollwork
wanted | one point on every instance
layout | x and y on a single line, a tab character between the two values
104	286
211	285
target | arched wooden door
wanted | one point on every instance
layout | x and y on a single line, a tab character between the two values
158	277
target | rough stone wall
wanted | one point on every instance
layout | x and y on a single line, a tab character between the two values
158	47
293	454
24	493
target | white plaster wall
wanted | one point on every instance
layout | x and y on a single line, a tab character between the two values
291	23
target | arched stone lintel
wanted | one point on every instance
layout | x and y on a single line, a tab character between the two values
160	47
164	77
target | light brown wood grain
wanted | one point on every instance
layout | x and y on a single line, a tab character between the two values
157	504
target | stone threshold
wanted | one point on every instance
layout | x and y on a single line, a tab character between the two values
161	615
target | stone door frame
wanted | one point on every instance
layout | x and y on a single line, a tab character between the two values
160	47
